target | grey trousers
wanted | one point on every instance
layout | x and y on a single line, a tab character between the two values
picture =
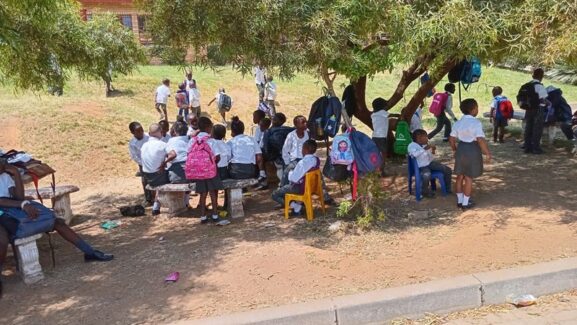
427	171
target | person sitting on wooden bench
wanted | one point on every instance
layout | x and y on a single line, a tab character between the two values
16	213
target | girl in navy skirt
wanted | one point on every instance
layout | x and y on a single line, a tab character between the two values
468	143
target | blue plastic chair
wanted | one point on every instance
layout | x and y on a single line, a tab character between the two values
414	172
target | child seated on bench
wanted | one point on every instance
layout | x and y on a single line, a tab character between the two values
16	213
246	158
153	154
297	177
423	152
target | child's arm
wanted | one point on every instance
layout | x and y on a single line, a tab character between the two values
453	143
484	148
212	101
286	150
449	108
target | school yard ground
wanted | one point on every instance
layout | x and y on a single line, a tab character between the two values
525	214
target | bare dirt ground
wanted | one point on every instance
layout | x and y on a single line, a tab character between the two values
525	214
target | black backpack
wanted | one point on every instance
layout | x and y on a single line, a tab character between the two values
350	100
527	97
324	118
457	71
225	102
273	141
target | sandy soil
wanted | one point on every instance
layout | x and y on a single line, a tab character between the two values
525	215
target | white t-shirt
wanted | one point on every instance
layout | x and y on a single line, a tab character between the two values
259	75
244	149
270	90
180	146
468	129
153	153
165	138
380	123
220	148
194	97
162	93
303	166
6	182
424	157
416	122
134	147
293	146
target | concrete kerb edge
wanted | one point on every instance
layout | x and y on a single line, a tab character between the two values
446	295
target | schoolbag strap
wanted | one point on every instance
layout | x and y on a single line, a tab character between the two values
35	181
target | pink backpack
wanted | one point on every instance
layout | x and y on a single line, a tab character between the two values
200	161
438	103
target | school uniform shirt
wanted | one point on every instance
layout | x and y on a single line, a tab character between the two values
270	91
194	97
244	149
380	124
416	122
540	89
6	183
190	131
468	129
189	83
165	138
153	154
449	106
259	75
424	157
220	148
257	134
180	146
293	147
134	146
308	162
162	93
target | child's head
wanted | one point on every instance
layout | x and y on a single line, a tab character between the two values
264	124
236	126
164	126
193	121
166	82
221	90
538	74
309	147
269	78
180	128
257	116
470	107
218	131
278	119
497	91
420	136
182	86
450	88
180	118
189	75
300	122
205	124
379	104
136	130
154	130
343	146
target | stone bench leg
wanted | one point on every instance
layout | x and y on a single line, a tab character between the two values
62	207
28	259
235	207
174	201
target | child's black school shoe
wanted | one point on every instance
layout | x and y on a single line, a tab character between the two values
429	195
538	151
204	220
445	139
98	256
331	202
215	220
468	206
155	212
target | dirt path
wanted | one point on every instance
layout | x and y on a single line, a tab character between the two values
525	215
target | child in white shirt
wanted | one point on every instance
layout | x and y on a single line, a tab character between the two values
161	98
221	150
380	119
138	139
270	95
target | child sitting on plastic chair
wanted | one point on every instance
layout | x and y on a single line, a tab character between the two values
297	177
423	152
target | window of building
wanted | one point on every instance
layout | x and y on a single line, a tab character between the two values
126	21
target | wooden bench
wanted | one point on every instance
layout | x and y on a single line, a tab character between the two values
171	196
60	199
26	252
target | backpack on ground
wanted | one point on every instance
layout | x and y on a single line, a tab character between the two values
200	161
504	109
527	97
367	155
438	103
471	72
273	141
225	102
342	151
324	118
402	138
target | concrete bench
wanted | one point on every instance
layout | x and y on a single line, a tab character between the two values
172	195
60	199
26	252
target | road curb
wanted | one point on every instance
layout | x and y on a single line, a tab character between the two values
439	296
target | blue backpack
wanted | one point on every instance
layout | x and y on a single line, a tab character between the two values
471	72
324	118
366	153
26	227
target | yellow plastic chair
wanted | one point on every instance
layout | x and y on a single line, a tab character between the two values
313	185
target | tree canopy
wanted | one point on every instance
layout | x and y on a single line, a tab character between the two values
358	38
42	41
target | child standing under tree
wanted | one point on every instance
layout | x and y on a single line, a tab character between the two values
468	143
380	118
498	120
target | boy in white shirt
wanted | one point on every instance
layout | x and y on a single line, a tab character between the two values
259	73
297	177
134	145
380	118
442	119
246	157
153	154
218	98
423	152
161	97
194	99
293	146
270	95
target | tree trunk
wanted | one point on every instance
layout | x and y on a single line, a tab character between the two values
361	110
409	75
328	78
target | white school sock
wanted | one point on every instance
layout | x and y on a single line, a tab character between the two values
156	206
203	218
262	173
215	216
466	200
296	207
460	198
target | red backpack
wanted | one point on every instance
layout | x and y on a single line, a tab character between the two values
438	103
505	107
200	161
